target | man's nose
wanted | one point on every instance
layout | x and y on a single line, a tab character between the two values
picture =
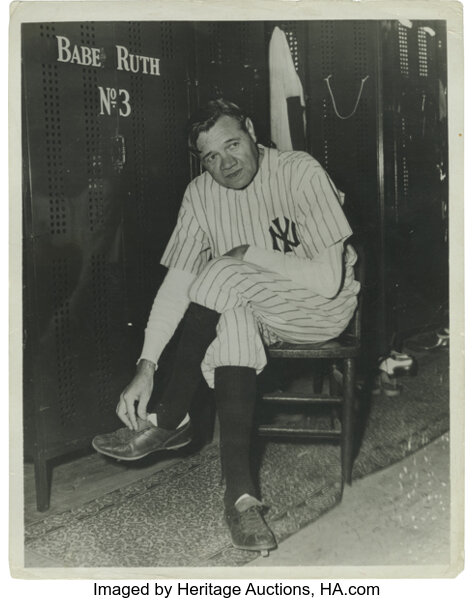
228	161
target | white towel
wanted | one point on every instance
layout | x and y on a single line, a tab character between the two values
284	83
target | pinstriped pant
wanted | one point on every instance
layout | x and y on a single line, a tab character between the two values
261	307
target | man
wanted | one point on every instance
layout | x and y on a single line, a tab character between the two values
257	256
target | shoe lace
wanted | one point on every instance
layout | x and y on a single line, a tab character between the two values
124	434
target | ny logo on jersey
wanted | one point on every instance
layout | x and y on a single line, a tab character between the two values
278	234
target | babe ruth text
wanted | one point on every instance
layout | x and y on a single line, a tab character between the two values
110	99
87	56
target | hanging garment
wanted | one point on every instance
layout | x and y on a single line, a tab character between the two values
286	96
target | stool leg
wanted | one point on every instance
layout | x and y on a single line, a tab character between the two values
348	418
335	389
41	472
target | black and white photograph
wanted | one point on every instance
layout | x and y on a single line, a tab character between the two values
237	291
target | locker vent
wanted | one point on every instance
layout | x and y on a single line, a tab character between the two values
361	117
65	362
405	177
244	57
327	47
327	59
140	199
296	35
134	33
294	47
87	34
169	92
48	31
54	164
363	183
167	40
138	156
328	133
360	49
245	40
422	46
325	150
101	327
405	170
138	131
403	51
93	153
215	45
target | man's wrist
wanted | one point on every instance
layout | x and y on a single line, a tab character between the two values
146	367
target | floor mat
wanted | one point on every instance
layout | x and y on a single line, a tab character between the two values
174	518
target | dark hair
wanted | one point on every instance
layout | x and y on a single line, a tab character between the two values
206	117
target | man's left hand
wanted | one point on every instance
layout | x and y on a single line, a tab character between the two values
238	252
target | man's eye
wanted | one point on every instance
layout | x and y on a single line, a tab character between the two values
210	159
234	145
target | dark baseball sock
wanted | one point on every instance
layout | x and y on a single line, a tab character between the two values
198	332
235	395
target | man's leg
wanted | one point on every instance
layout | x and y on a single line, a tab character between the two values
255	305
235	392
168	426
199	329
235	395
230	366
284	310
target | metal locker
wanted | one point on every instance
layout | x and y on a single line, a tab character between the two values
338	63
375	89
73	254
416	182
232	64
104	170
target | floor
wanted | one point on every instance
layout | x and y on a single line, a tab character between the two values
397	516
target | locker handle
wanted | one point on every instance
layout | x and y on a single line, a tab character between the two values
118	153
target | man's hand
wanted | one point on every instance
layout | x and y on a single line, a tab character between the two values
138	390
238	252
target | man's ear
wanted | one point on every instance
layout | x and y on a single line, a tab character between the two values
250	128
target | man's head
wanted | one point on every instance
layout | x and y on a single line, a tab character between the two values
223	138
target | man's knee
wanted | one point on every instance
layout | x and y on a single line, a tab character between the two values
209	281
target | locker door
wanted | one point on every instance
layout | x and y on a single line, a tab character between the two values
105	167
341	80
417	184
77	358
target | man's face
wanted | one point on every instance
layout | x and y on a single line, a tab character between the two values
228	153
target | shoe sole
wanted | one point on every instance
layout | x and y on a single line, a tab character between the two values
126	458
255	548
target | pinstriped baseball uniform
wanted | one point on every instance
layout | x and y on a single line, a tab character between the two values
291	206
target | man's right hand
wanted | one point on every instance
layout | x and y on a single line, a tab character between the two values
138	390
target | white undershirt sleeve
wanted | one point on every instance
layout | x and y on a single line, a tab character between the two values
322	274
169	306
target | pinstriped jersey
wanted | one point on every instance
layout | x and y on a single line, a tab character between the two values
290	206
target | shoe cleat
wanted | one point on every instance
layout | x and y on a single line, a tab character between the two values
248	529
387	385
